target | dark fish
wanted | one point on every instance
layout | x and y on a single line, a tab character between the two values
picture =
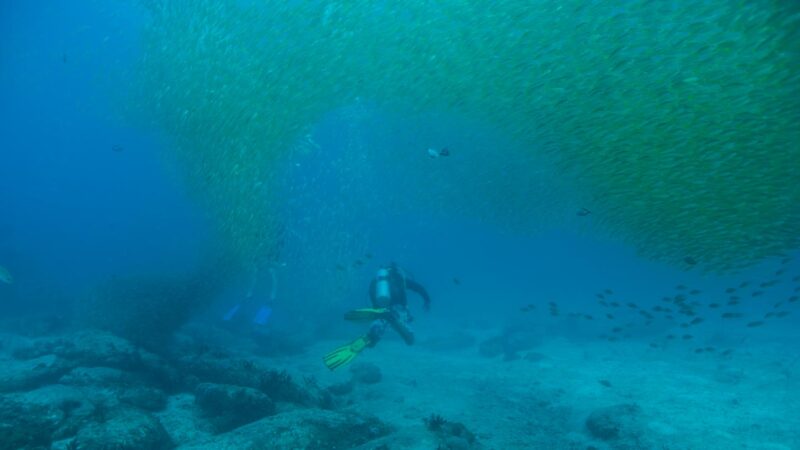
444	152
777	305
782	314
733	302
600	295
605	383
756	323
358	263
797	278
368	255
666	299
713	305
552	304
695	291
686	337
583	212
657	308
690	261
710	349
588	317
684	325
793	299
769	314
614	304
757	293
696	320
654	345
670	336
553	313
744	284
779	272
456	281
797	289
727	352
699	350
734	297
786	260
730	290
117	148
610	316
680	297
616	330
340	267
609	291
632	306
731	315
603	303
680	287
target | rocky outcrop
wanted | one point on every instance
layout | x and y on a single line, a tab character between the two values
228	406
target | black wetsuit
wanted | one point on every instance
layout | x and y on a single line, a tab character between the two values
397	290
400	317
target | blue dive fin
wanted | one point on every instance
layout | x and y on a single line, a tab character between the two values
232	312
262	315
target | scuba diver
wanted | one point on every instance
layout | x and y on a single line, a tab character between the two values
387	291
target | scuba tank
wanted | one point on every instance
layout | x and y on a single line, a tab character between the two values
383	291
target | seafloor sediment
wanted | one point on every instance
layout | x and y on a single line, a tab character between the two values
88	389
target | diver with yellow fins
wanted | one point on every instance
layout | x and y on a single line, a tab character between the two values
387	291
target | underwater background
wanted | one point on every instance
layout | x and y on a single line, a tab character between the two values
602	200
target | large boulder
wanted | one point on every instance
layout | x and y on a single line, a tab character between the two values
126	429
16	375
93	348
253	373
229	406
308	429
50	413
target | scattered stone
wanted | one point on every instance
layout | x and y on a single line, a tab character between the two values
366	373
614	422
451	435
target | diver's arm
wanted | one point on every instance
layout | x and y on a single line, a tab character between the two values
416	287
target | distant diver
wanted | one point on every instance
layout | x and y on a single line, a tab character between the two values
387	292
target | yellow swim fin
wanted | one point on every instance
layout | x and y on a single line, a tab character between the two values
367	314
346	353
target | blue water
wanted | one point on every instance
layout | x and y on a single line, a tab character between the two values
87	197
